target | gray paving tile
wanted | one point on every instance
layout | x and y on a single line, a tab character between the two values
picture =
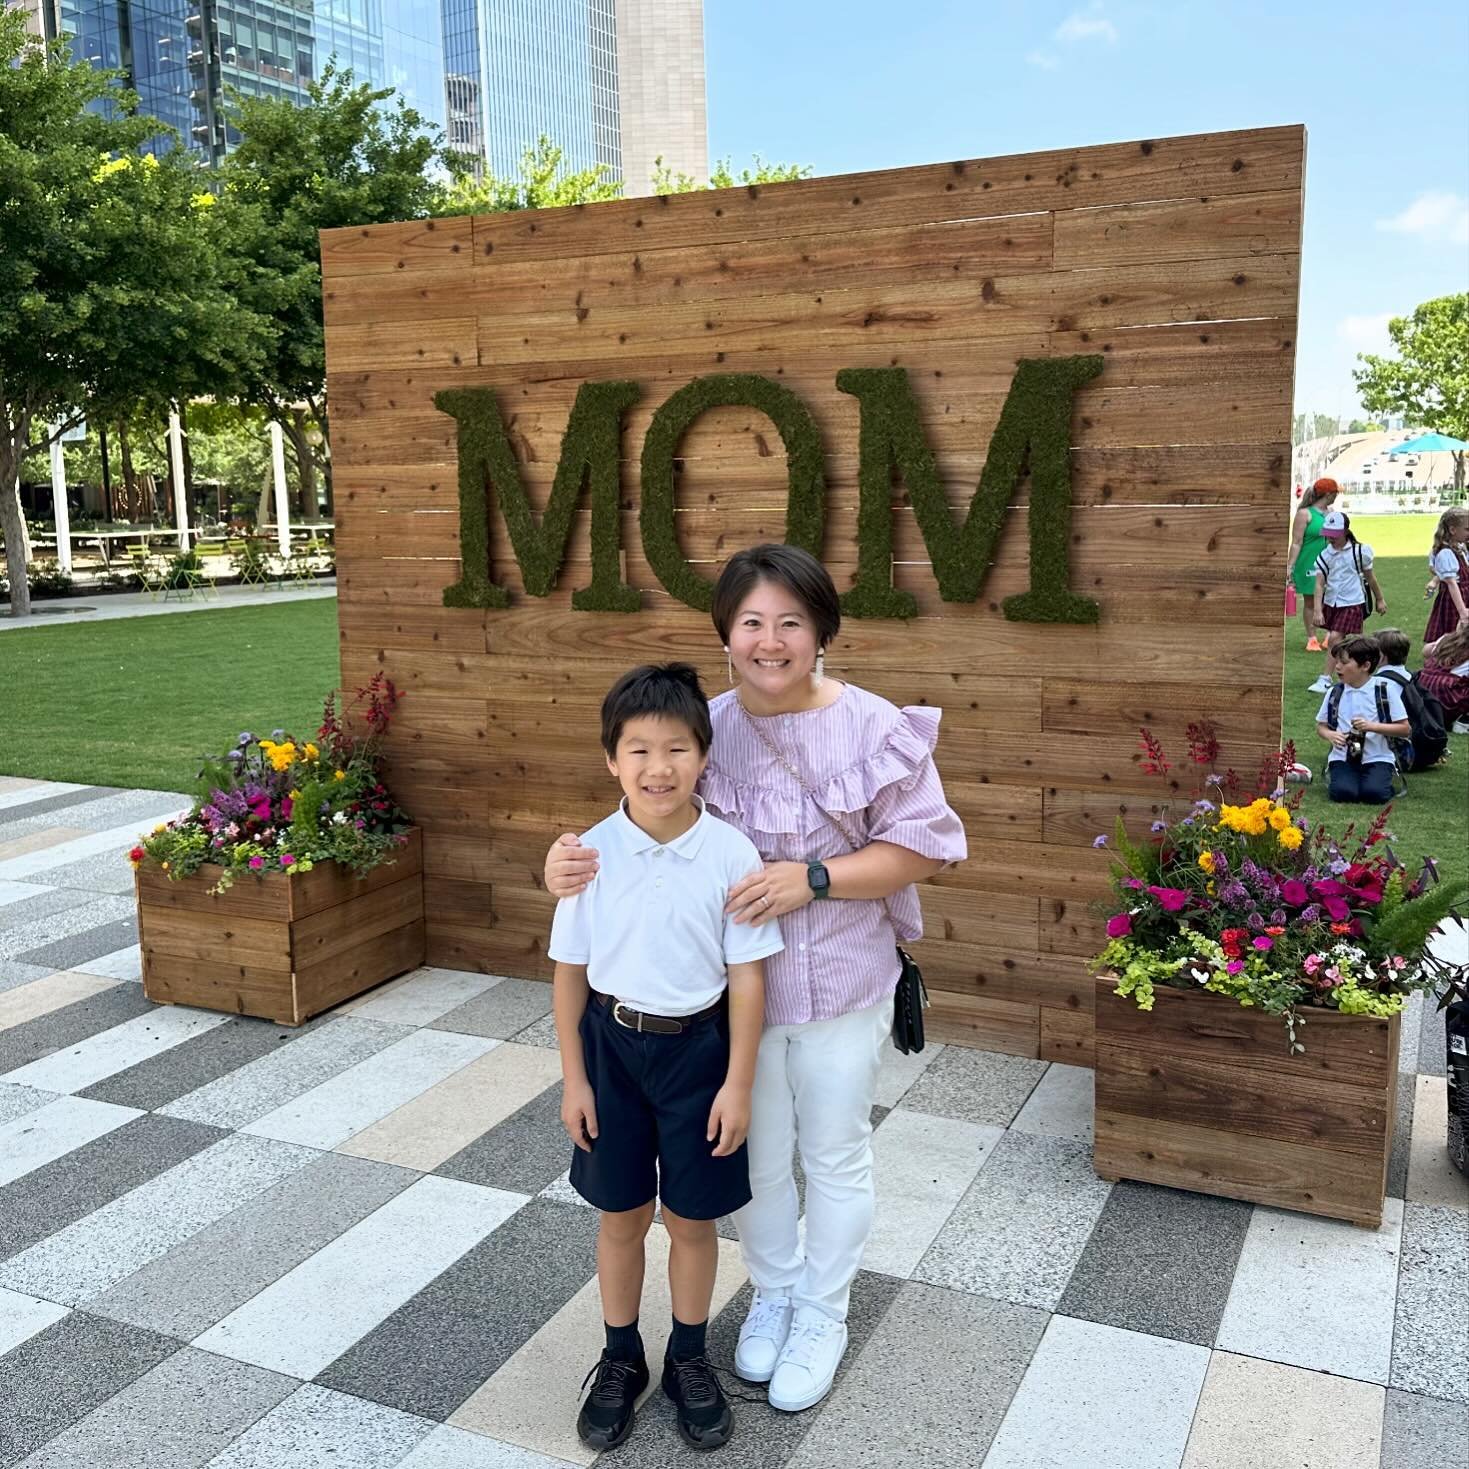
62	1192
16	1101
90	943
199	1282
541	1033
28	810
13	972
1019	1231
104	872
29	1041
1421	1433
1160	1261
184	1068
523	1153
110	808
501	1012
763	1438
1402	1138
896	1409
975	1086
305	1061
21	939
436	1349
1432	1042
318	1429
30	911
1430	1346
178	1416
62	1373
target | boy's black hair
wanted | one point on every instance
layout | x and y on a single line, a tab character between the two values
798	571
1393	644
660	690
1360	649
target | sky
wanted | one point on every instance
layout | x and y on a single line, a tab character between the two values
847	85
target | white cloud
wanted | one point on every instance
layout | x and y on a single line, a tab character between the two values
1087	25
1366	333
1434	215
1046	60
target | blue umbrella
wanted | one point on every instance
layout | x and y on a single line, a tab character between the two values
1429	444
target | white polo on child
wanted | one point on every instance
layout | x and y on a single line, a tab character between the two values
1363	701
651	926
1344	587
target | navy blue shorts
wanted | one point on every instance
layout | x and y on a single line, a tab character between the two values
653	1095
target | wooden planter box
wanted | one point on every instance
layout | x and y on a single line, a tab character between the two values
1202	1094
282	948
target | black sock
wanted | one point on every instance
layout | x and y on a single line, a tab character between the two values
625	1343
687	1342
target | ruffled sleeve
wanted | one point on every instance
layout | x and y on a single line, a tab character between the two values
907	806
752	808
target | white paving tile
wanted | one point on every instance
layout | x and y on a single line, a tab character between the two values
116	839
1062	1104
316	1428
50	1132
16	892
365	1093
898	1072
448	1447
922	1166
1103	1398
75	1068
421	997
1432	1178
40	790
22	1316
1316	1293
104	1247
120	964
16	1101
311	1315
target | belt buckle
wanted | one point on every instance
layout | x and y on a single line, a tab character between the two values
617	1007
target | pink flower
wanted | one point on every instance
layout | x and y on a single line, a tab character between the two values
1170	899
1119	925
1398	962
1313	963
287	860
1263	942
1294	892
1133	882
256	863
1234	966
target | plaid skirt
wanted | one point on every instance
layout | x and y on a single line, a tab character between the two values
1444	617
1450	689
1344	620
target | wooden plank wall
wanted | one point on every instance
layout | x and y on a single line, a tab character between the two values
1178	259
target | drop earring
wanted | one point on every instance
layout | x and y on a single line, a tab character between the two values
728	664
819	673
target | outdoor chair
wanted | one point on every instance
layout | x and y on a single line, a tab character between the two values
301	564
183	576
249	560
147	568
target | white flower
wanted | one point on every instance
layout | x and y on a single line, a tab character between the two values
340	819
1202	975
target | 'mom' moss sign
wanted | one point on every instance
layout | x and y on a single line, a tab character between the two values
1034	429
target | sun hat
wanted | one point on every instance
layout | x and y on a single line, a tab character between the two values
1334	520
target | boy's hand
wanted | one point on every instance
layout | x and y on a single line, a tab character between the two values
569	866
729	1119
1335	738
579	1113
1361	722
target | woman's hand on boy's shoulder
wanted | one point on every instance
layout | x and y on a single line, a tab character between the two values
569	866
776	889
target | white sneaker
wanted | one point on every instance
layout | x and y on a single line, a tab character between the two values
1460	726
1321	686
763	1337
812	1354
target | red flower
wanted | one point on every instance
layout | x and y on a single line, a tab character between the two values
1341	928
1119	925
1294	892
136	855
1274	931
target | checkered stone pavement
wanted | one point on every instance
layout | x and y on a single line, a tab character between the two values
228	1243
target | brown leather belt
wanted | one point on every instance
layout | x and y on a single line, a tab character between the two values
638	1020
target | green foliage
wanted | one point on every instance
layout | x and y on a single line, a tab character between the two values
542	184
722	175
1407	926
1034	430
590	451
1428	381
806	495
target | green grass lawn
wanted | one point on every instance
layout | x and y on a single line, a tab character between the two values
137	701
1433	819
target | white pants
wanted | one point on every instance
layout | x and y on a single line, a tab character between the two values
814	1085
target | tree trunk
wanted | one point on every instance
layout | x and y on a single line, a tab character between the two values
132	501
12	520
294	425
188	458
320	412
1459	471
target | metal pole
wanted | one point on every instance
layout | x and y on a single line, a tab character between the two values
180	490
282	507
59	507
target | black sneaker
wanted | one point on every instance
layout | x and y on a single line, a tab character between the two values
606	1416
704	1417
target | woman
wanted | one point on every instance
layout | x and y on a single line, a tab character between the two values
1306	544
790	745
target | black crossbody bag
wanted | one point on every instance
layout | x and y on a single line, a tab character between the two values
910	999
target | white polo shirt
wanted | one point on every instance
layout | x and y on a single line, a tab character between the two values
1364	702
1344	587
651	926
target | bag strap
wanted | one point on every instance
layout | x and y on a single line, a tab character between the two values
1333	704
1384	714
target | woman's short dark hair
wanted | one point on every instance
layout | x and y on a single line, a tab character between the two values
798	571
659	690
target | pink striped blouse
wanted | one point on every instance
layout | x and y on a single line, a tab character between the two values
871	764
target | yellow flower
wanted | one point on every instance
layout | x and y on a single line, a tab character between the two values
1280	818
165	866
311	751
293	795
339	775
1206	861
1209	888
1290	838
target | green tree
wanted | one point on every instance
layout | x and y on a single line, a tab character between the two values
541	185
1428	381
116	289
343	157
722	175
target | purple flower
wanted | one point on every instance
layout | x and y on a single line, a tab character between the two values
256	863
246	739
1263	942
1100	841
235	755
1277	918
1253	919
1234	966
1203	805
1311	913
289	861
1133	882
1159	826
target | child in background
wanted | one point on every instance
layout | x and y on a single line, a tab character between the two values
1351	720
1429	741
1343	582
1449	562
1446	676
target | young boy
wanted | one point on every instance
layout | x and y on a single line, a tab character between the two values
659	999
1361	764
1393	645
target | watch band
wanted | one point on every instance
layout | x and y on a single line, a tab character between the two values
819	879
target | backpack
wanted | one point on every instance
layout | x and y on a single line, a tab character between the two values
1402	750
1367	597
1426	716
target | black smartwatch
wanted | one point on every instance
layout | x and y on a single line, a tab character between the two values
819	878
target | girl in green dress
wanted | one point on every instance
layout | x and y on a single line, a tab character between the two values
1306	544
